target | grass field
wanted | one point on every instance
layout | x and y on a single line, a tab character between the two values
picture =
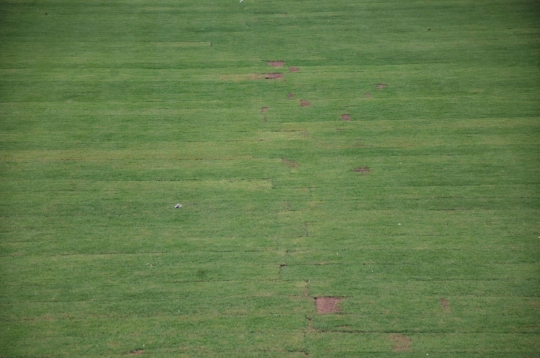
394	166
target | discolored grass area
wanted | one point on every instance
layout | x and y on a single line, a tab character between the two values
357	178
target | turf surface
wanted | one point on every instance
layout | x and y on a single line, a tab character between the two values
420	212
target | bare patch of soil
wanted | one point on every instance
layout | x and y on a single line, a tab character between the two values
264	109
381	85
290	163
346	117
327	305
362	170
368	95
276	63
294	69
445	305
305	103
291	95
273	76
265	119
136	352
401	343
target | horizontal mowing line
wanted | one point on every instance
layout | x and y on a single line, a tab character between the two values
295	297
143	253
271	249
412	333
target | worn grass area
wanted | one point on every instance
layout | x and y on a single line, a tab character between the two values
406	191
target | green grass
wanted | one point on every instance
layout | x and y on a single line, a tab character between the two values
111	112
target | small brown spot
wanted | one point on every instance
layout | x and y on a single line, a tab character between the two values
265	119
276	63
327	305
136	352
362	170
305	103
264	109
381	85
294	69
346	117
445	305
401	343
368	95
273	76
291	95
290	163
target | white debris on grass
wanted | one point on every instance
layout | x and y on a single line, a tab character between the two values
178	206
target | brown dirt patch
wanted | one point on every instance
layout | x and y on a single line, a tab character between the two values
273	76
305	103
401	343
362	170
276	63
265	119
368	95
381	85
291	95
346	117
445	305
290	163
294	69
264	109
136	352
327	305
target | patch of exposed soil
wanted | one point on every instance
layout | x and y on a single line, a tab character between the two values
290	163
264	109
401	343
136	352
265	119
276	63
294	69
327	305
305	103
368	95
273	76
362	170
346	117
291	95
445	305
381	85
